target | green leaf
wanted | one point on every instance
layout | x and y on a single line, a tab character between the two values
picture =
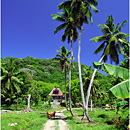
62	26
99	38
93	8
2	77
17	80
97	65
122	24
116	71
121	103
121	90
100	48
105	28
58	17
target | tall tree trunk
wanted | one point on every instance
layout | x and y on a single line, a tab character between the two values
65	90
89	89
70	81
91	102
80	77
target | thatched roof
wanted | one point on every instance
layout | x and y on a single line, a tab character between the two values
56	92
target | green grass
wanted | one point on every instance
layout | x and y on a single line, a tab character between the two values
25	121
103	120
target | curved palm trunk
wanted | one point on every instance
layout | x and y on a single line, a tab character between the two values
70	81
91	102
89	89
65	90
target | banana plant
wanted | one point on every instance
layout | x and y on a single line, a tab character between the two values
120	90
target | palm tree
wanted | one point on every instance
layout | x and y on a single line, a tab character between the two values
87	74
10	84
111	45
62	56
83	15
80	12
71	33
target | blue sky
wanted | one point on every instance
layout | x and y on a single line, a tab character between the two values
27	28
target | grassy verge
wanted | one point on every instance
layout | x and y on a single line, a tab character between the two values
25	121
103	120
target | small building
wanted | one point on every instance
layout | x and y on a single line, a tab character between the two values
56	94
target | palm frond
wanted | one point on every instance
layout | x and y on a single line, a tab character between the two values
93	2
62	26
122	24
113	39
86	20
106	50
100	48
110	23
121	35
105	28
64	5
75	34
120	49
113	54
58	17
58	56
99	38
93	7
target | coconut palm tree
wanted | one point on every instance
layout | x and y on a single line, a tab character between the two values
70	33
111	45
81	13
10	83
63	57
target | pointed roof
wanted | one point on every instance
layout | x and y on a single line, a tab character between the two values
57	90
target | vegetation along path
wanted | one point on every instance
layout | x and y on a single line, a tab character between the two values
56	123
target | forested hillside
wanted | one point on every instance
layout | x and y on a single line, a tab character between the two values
22	76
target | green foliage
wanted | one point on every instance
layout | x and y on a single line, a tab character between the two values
103	120
25	121
75	91
40	76
120	90
40	91
125	61
110	40
10	82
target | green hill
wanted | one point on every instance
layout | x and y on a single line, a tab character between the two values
42	75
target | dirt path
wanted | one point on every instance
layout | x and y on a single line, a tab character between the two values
56	123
